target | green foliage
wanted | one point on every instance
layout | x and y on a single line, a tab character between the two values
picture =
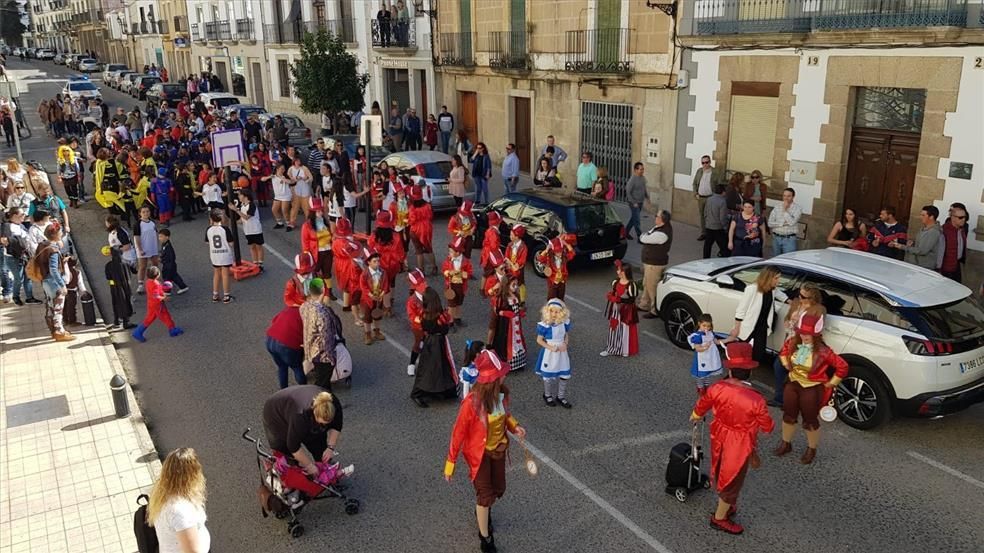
326	77
11	28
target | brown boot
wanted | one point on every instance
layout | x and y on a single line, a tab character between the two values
783	448
378	335
63	336
808	456
368	338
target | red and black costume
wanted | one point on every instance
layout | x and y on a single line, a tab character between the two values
555	258
492	241
462	225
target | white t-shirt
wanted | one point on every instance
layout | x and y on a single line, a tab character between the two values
349	199
146	233
212	193
119	238
219	246
333	210
179	515
252	224
302	186
281	189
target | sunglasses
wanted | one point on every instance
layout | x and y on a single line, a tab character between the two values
756	177
705	162
18	188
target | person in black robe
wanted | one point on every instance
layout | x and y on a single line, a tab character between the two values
118	278
436	377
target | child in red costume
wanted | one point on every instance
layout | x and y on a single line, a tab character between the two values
346	250
740	413
422	229
295	291
374	286
392	254
555	258
490	242
516	253
157	294
480	435
415	314
462	225
400	212
457	269
316	240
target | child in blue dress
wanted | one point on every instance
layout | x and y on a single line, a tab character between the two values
707	358
554	364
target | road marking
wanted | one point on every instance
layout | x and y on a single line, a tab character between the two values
631	442
569	297
658	338
951	471
578	485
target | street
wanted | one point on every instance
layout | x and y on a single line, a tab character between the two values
912	485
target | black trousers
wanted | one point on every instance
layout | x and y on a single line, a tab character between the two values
719	237
169	271
954	275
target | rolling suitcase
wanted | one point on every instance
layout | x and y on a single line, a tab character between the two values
683	474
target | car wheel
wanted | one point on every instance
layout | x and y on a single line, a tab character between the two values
680	320
538	267
862	399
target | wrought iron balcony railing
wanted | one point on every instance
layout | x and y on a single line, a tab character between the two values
134	28
197	31
457	49
727	17
598	51
244	29
394	34
508	50
344	29
225	30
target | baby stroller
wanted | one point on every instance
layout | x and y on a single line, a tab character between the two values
285	489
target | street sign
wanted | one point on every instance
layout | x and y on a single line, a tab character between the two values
371	130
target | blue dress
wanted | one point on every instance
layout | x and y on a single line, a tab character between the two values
553	364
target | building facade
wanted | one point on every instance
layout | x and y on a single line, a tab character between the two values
789	87
51	25
596	74
175	38
227	40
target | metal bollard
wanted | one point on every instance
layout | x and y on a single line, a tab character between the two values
120	402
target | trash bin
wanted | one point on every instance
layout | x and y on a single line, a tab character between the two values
88	308
120	402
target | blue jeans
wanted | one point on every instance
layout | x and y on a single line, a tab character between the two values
6	277
19	278
510	184
481	190
635	211
445	141
783	244
286	358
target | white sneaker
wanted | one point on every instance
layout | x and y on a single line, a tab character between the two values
604	353
8	299
140	288
411	370
182	290
348	471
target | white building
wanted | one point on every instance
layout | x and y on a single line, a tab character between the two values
227	39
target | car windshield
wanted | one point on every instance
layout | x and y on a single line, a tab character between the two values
88	60
437	170
595	215
75	87
960	319
223	102
171	88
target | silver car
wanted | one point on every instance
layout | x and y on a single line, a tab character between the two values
88	65
433	168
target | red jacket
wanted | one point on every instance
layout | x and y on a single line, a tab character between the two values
740	413
391	256
422	224
366	285
309	240
823	359
954	247
557	275
469	434
415	312
518	258
287	328
155	294
461	225
345	250
491	241
448	267
293	292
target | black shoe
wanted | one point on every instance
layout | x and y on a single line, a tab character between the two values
290	228
701	238
628	236
32	301
650	315
564	403
549	400
127	325
774	403
487	544
18	301
420	402
278	225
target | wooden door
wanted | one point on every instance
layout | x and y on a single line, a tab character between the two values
608	19
881	171
522	128
468	118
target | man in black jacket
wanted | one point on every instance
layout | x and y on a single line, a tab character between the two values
655	257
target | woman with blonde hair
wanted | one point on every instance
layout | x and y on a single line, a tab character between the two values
176	508
304	423
756	311
808	300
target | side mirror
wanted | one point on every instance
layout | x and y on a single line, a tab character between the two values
725	281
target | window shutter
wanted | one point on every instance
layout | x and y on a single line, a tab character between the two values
752	134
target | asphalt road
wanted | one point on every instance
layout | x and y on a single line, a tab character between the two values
911	486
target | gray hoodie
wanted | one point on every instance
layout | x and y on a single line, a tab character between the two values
925	250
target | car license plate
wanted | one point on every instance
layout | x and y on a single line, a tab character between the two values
602	255
442	187
972	365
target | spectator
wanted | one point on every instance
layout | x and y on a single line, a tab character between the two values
177	505
784	223
456	180
412	130
746	232
849	232
925	248
756	311
510	169
559	155
887	229
481	172
395	129
717	220
430	132
545	174
322	327
636	194
587	173
756	190
603	187
704	180
383	20
445	124
953	248
462	147
735	193
656	245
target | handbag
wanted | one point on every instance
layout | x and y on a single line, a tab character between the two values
343	363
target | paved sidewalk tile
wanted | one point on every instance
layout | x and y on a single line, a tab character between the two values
69	479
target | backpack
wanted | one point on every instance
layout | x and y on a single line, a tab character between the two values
16	247
34	269
144	532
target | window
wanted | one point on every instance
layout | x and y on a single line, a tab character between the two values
960	319
588	217
509	209
897	109
283	73
749	275
752	132
876	309
837	298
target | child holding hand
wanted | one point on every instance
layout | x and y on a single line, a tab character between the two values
707	358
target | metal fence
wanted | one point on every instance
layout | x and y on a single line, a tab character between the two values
457	49
720	17
394	34
597	51
606	132
508	50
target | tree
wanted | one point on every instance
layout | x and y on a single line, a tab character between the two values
11	27
327	77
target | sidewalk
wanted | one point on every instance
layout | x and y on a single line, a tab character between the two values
70	471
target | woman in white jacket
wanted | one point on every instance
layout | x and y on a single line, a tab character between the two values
756	312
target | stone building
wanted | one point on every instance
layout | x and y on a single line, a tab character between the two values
859	105
227	40
175	38
596	74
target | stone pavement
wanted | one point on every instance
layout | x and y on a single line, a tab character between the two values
70	471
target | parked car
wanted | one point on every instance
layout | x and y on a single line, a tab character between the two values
243	111
81	88
350	142
433	168
548	213
111	68
219	100
112	78
59	59
172	92
298	134
74	59
126	83
141	85
45	54
88	65
915	344
117	78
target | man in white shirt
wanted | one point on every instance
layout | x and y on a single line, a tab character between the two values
783	223
510	169
704	180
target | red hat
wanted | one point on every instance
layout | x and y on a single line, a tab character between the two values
384	219
739	356
399	189
570	238
518	230
417	280
316	204
490	367
343	227
369	252
304	263
496	258
416	193
466	207
458	244
494	218
810	324
556	245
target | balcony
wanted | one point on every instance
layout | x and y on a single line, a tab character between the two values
180	24
197	32
344	29
598	51
508	51
729	17
457	49
162	26
134	28
216	31
244	29
394	34
288	32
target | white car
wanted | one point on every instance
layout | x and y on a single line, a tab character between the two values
110	68
914	339
88	65
45	54
81	88
60	59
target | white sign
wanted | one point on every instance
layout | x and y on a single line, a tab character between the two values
803	172
227	148
371	130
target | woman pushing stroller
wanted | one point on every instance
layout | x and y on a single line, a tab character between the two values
305	416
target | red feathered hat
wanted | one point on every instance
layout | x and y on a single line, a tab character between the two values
490	367
416	193
458	244
343	227
384	219
466	207
810	324
519	231
496	258
739	356
316	204
494	219
418	281
556	245
303	263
